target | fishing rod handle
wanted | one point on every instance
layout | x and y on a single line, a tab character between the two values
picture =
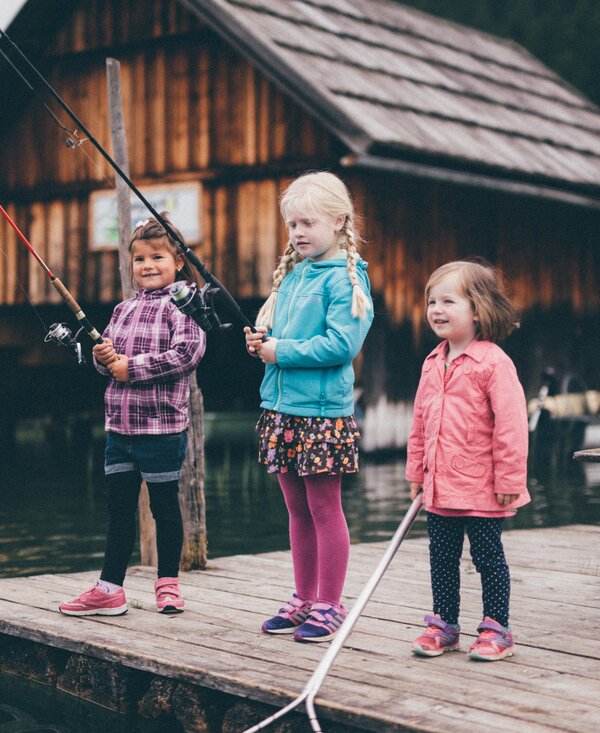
77	310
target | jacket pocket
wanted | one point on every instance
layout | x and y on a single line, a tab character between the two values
468	468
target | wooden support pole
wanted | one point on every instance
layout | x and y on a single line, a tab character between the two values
148	553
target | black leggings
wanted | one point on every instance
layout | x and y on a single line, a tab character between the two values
446	536
122	497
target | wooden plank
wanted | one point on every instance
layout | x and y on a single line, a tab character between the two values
178	112
37	281
56	245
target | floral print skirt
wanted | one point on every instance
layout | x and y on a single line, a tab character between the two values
307	445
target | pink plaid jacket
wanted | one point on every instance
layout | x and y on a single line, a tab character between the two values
164	346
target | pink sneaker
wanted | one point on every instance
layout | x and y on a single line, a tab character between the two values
95	602
438	637
168	596
493	643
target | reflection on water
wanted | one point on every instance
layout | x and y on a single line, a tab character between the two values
52	515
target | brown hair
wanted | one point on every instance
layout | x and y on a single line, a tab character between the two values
482	285
325	193
152	229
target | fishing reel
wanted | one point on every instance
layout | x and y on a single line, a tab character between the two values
198	304
62	335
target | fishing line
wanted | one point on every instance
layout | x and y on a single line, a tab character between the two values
59	332
73	140
25	293
224	295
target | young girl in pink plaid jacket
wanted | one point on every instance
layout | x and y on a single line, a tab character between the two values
150	348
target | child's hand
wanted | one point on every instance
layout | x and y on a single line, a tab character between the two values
506	499
254	342
105	353
120	368
267	352
415	490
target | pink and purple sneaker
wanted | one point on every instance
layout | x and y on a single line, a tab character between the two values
289	617
95	602
438	637
168	596
493	643
323	622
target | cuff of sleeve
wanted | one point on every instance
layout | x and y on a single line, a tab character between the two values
136	368
282	349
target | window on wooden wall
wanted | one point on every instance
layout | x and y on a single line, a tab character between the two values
181	200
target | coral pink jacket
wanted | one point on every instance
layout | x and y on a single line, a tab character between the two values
469	436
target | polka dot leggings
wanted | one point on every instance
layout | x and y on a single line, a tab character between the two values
446	536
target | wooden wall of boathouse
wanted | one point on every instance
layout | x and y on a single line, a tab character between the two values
196	110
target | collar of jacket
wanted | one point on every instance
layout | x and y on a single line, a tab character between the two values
476	350
314	267
148	294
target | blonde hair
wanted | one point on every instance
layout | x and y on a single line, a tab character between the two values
152	229
482	285
319	193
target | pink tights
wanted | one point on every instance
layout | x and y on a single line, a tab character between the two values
319	536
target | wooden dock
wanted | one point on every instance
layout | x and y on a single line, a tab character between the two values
551	684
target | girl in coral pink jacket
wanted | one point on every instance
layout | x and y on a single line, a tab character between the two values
467	452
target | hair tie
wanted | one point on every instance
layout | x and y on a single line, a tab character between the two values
141	223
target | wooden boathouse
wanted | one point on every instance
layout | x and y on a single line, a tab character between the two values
452	141
213	669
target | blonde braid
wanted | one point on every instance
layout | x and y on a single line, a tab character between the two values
360	302
286	263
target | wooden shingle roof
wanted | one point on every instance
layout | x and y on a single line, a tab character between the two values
402	87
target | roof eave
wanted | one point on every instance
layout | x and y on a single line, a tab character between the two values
471	178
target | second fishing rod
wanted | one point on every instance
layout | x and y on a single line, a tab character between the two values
197	304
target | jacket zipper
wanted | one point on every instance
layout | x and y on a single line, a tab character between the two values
285	328
130	336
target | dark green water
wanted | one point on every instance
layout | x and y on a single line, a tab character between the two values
52	516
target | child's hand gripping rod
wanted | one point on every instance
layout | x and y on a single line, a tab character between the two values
58	331
308	694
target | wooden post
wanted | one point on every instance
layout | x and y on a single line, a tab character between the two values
191	495
119	140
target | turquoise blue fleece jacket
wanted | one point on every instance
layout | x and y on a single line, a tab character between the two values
317	340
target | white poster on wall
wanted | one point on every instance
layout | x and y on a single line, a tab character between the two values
180	200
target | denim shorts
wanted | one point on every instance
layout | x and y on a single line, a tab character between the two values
157	457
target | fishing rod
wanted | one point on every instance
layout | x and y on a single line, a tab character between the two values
59	332
199	304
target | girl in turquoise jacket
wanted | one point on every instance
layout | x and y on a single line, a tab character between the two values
315	321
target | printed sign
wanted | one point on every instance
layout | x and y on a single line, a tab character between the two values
180	200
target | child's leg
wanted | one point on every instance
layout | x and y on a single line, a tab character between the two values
446	537
485	536
164	504
303	539
333	541
123	490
